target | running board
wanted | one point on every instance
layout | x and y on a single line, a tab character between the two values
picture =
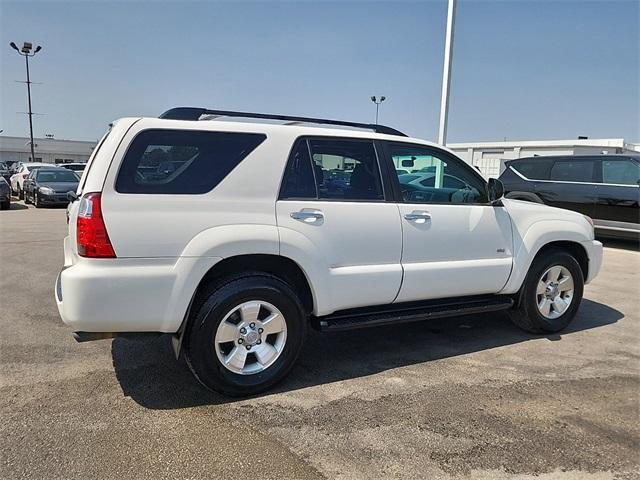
409	312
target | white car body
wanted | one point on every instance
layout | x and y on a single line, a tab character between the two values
363	253
17	179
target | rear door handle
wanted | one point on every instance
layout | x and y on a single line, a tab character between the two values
308	216
418	216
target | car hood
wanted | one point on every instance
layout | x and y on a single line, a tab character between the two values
60	187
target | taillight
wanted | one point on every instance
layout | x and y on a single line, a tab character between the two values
92	237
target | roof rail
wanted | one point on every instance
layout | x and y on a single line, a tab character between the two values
194	113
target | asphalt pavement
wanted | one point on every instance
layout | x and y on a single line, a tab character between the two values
465	398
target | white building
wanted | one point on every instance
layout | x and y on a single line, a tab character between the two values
488	156
48	150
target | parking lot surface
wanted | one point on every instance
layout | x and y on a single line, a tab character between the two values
466	397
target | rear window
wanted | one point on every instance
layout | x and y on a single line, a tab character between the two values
572	171
182	161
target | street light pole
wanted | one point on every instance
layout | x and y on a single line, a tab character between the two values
26	52
446	74
378	101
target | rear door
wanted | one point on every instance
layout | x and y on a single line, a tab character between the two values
334	219
571	185
618	195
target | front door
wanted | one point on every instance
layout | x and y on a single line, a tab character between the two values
454	243
334	220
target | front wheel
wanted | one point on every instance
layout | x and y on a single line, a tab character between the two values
551	293
36	201
245	334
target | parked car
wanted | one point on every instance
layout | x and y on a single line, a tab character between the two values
5	195
76	167
22	172
604	187
237	250
5	172
49	186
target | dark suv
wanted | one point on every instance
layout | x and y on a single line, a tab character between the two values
604	187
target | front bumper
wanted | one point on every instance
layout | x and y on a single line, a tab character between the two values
594	253
53	199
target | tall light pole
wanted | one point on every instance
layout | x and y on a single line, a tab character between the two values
26	53
446	74
378	101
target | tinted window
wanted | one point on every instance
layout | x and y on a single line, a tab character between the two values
182	162
298	179
346	169
533	169
623	172
62	175
572	171
435	178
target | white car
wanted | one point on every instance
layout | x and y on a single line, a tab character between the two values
78	168
235	237
22	172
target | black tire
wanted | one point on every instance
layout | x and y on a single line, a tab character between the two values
5	205
36	202
526	315
210	307
20	193
25	197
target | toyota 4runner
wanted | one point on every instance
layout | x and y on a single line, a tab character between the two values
236	236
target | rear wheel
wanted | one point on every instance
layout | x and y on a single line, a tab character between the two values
551	293
6	205
245	334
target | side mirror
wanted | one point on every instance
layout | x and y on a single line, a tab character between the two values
407	163
71	196
495	190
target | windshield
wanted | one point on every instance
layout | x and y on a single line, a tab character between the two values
56	176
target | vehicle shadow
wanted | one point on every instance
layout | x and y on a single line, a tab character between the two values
150	375
18	206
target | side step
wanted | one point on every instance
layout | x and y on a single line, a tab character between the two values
410	312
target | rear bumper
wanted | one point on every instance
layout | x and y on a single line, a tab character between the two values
594	252
128	294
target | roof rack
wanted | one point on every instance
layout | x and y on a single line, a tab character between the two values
194	113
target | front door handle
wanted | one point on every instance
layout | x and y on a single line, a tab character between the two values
418	216
308	216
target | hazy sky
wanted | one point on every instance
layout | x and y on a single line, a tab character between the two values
521	70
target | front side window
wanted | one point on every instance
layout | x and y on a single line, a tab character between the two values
182	161
622	172
434	177
572	171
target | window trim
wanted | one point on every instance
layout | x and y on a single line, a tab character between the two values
440	154
600	171
387	197
569	182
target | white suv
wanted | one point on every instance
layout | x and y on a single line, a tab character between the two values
235	237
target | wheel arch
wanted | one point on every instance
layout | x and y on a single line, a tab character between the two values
277	265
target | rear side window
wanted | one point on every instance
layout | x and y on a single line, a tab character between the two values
533	169
572	171
182	161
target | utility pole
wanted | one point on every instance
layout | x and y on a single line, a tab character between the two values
26	53
446	74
